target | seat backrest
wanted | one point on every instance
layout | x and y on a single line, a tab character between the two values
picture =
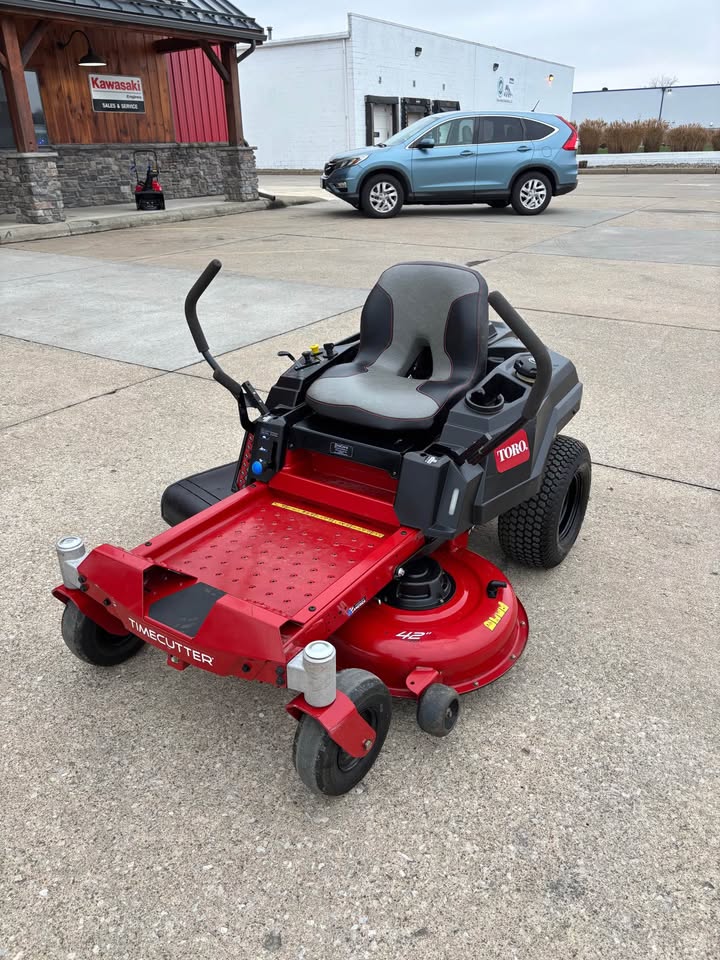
441	306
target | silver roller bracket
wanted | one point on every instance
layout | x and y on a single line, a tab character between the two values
71	552
312	673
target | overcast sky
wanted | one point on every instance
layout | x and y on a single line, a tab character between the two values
611	43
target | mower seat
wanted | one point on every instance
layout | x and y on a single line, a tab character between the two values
418	315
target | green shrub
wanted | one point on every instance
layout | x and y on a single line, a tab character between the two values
591	134
687	136
654	132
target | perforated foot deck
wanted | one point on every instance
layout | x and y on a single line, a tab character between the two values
279	554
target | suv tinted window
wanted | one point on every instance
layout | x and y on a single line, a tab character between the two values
453	133
536	130
501	129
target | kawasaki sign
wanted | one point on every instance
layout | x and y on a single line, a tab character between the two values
116	94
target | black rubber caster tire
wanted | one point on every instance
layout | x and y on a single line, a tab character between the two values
498	204
525	193
541	531
372	206
438	710
321	764
91	643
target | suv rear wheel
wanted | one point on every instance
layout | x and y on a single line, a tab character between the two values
381	196
531	193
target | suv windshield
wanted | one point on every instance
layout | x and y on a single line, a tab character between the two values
402	135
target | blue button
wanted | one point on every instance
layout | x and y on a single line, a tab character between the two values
257	468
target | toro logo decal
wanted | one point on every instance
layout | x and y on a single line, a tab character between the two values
513	452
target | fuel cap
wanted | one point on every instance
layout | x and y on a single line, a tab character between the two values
526	369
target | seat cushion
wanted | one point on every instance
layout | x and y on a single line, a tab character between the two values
374	397
414	309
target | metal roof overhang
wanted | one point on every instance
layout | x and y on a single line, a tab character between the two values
200	18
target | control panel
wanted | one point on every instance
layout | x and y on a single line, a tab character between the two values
290	389
267	449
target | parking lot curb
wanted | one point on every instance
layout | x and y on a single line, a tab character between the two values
129	219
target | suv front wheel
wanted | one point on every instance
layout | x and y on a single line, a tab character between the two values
531	193
381	196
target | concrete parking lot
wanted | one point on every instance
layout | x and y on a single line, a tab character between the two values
574	812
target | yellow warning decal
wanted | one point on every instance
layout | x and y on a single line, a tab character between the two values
321	516
494	620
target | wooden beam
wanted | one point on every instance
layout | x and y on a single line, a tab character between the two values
16	89
32	42
215	61
174	45
232	95
3	61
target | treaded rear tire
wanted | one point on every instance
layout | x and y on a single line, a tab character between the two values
541	531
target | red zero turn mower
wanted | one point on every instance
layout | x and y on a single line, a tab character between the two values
332	557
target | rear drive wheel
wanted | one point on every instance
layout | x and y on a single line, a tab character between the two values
541	531
531	193
381	196
91	643
322	765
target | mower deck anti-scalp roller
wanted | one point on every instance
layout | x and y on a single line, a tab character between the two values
331	559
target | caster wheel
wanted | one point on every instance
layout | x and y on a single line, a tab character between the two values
438	710
91	643
321	764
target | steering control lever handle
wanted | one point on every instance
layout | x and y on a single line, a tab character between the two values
537	348
191	301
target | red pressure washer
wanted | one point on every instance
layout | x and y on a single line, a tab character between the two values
332	558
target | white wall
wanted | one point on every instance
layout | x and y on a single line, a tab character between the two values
293	102
447	69
689	104
303	100
699	104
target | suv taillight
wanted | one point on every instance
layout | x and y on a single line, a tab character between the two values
571	142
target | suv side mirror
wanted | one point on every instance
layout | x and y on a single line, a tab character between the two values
427	143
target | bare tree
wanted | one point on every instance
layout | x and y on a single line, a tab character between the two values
663	80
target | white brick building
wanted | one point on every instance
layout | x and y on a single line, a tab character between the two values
305	99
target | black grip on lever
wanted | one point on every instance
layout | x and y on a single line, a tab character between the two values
537	348
191	300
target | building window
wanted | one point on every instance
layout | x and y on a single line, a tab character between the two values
7	141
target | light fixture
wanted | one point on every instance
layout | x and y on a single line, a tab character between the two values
550	77
90	59
495	67
418	51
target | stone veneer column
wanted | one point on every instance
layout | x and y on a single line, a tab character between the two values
237	165
35	187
